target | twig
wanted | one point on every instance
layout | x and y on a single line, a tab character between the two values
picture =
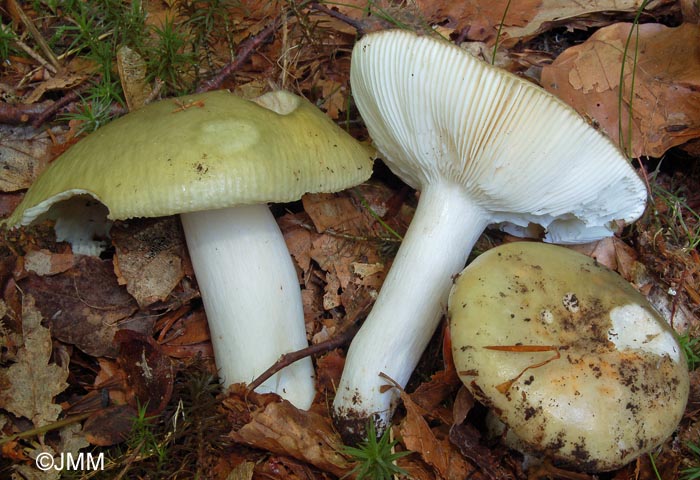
28	50
347	236
21	113
245	50
358	25
337	341
47	113
46	428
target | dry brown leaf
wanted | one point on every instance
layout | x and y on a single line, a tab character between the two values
329	368
666	106
42	262
431	394
297	238
149	372
84	305
149	257
417	436
63	81
110	426
468	440
30	385
243	471
335	212
480	19
189	329
283	429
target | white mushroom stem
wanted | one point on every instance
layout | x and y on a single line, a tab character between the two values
412	299
251	295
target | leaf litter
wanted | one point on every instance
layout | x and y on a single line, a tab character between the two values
129	324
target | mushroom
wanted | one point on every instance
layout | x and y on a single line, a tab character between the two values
483	147
569	356
216	159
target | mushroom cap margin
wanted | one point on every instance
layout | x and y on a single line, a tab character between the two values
201	152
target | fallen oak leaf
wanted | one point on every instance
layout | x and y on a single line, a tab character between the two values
32	383
666	106
281	428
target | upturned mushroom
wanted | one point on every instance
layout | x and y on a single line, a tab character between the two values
569	356
484	147
215	159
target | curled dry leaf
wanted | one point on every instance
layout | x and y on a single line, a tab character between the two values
478	20
666	107
132	75
149	257
281	428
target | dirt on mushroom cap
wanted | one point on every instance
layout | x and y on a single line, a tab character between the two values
567	354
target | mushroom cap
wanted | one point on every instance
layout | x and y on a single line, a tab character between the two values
573	359
202	152
438	114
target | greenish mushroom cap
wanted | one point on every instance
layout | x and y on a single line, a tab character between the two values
567	354
202	152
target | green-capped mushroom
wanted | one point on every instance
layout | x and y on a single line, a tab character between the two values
567	354
216	159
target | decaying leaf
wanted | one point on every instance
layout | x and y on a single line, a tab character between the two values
84	305
666	106
24	153
430	395
149	257
149	372
109	426
30	385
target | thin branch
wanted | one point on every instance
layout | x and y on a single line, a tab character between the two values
337	341
358	25
245	50
51	110
21	113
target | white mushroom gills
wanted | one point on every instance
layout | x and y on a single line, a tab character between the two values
444	121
